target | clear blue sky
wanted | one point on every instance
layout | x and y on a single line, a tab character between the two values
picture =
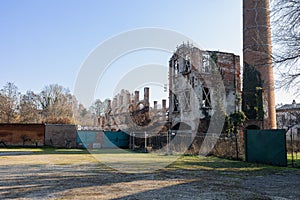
45	42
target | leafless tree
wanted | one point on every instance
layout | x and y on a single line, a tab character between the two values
85	115
56	103
29	108
82	115
286	41
97	108
9	103
288	119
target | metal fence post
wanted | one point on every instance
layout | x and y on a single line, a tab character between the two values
292	147
145	141
133	140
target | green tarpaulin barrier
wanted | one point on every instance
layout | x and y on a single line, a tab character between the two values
266	146
102	139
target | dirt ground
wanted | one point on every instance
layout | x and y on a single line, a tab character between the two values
80	176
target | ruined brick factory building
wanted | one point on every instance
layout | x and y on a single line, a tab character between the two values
129	113
191	82
193	75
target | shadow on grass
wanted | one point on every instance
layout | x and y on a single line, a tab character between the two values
224	165
43	181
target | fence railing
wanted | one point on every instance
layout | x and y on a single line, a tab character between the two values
293	148
185	142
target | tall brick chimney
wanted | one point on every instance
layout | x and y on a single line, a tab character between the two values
258	81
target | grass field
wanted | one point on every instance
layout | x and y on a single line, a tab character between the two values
47	173
296	159
96	156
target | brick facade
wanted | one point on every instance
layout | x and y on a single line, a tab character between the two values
195	79
19	134
257	52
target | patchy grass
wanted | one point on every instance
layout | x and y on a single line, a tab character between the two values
44	150
222	165
50	173
296	158
44	156
128	161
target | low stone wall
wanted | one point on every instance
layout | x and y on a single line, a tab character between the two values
60	135
22	134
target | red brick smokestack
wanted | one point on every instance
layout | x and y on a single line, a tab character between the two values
146	96
258	80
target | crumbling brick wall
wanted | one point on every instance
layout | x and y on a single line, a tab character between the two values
60	135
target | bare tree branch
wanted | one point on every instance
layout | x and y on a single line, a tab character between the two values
286	39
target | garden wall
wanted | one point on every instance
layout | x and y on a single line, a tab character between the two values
22	134
60	135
